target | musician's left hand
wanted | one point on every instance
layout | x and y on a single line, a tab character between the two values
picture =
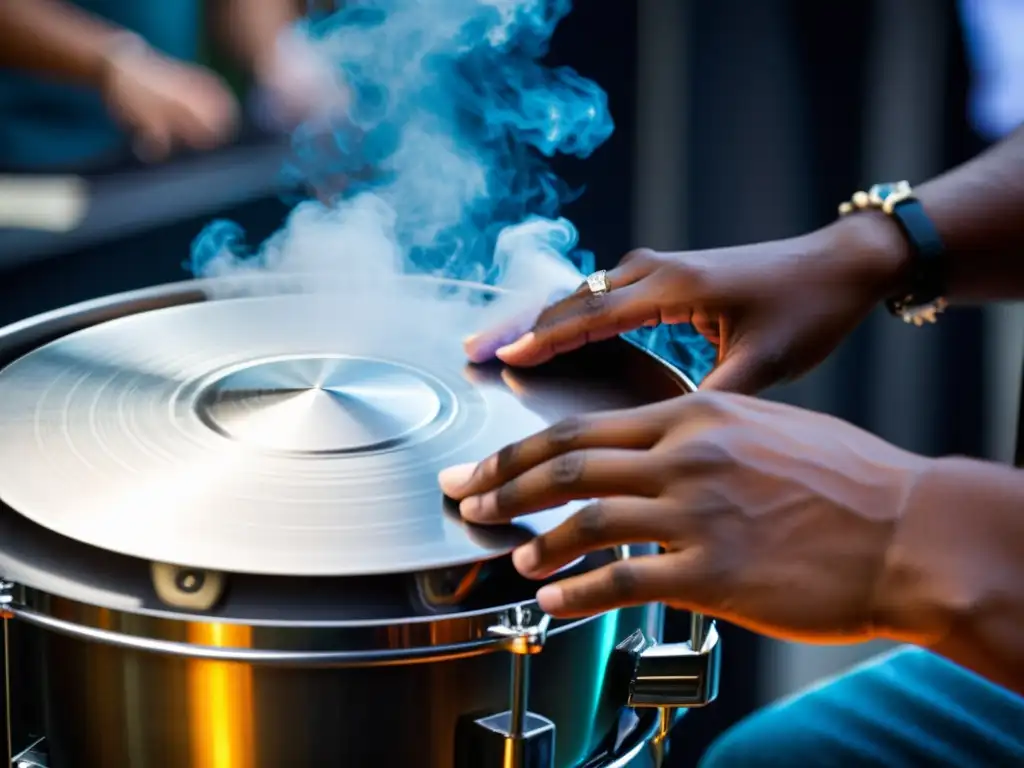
772	517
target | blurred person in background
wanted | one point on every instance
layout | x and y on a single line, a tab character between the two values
89	80
994	37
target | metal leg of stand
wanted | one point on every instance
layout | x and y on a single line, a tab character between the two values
33	757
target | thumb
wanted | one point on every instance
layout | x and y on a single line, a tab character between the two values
747	367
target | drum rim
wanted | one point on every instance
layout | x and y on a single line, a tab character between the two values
360	646
379	642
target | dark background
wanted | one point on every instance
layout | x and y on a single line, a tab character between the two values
775	95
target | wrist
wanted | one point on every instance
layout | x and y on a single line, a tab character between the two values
949	552
870	250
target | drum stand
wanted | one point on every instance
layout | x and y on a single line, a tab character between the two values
668	678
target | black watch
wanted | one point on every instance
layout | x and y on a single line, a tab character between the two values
924	298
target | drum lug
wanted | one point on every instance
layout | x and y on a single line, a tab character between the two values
674	675
188	588
515	738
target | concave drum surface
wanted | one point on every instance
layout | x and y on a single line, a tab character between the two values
225	546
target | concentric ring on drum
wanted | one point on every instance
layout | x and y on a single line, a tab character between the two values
322	404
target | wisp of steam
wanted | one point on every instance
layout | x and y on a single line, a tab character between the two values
437	165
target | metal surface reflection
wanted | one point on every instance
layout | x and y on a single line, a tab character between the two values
311	405
185	436
220	696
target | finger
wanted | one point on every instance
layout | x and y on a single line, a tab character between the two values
571	476
650	579
602	524
634	429
746	369
207	119
194	130
583	320
480	347
580	303
707	326
153	142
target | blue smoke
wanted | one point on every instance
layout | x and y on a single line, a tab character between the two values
451	119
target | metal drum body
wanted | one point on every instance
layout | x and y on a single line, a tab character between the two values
393	669
107	705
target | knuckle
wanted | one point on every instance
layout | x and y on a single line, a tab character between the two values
568	469
705	451
549	318
506	498
486	471
595	305
566	433
503	462
622	581
591	523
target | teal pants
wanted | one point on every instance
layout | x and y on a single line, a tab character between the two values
907	709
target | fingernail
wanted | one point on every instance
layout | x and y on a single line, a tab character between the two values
525	559
481	508
454	478
551	598
471	339
516	347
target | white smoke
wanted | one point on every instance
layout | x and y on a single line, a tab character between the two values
437	165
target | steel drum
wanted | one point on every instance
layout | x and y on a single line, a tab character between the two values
222	544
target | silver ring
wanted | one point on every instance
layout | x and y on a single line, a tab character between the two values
598	283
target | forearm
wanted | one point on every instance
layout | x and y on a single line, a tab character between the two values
954	577
978	209
250	28
55	39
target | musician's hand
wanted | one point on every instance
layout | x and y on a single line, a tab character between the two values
167	103
772	517
774	309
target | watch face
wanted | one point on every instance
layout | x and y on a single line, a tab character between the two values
879	193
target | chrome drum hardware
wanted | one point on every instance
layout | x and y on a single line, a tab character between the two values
666	678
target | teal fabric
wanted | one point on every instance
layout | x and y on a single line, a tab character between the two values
909	709
46	125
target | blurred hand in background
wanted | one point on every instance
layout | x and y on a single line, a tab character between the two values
163	103
93	74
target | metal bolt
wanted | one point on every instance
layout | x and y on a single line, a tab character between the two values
189	581
6	599
522	637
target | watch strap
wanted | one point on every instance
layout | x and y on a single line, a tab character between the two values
924	298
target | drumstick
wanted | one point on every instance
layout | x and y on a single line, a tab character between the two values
43	203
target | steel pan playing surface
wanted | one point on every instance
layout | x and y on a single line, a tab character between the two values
269	435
